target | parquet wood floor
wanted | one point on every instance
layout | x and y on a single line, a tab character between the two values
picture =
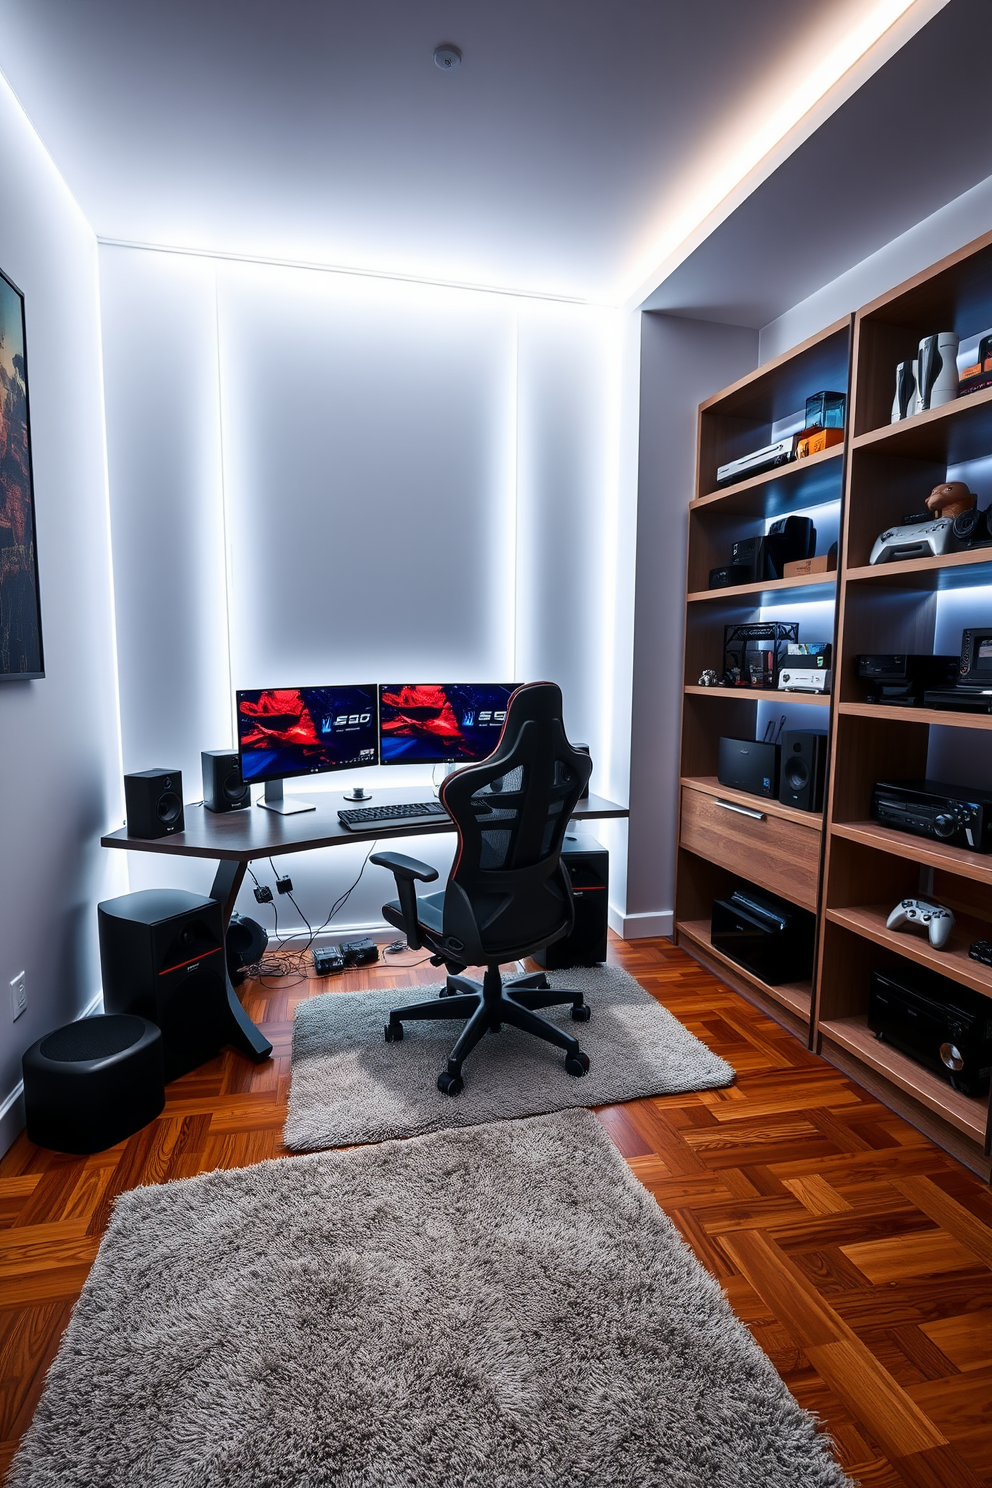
858	1254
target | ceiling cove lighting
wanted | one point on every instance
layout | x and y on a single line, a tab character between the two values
719	193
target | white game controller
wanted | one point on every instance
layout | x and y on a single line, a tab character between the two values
931	917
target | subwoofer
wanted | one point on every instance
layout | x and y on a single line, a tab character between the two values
223	787
588	865
162	954
803	769
153	803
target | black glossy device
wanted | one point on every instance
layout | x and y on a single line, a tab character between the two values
768	937
935	1021
972	689
900	680
955	814
749	765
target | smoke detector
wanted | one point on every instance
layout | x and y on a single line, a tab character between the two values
447	57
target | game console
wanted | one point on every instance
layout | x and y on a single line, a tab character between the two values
924	536
804	679
918	913
935	1021
768	937
765	458
953	814
900	680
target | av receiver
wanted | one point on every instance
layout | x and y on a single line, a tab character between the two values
935	1021
900	680
954	814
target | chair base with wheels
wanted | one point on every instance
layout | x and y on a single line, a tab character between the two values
487	1005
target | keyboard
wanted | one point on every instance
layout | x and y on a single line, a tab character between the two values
391	816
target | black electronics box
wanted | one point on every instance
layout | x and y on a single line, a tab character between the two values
768	937
327	959
937	1022
730	574
972	690
900	680
788	540
749	765
955	814
749	556
588	865
359	952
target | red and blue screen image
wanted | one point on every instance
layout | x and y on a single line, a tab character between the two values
432	723
285	731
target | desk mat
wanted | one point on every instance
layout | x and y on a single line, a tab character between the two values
349	1086
498	1307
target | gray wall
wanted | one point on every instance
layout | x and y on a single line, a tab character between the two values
59	783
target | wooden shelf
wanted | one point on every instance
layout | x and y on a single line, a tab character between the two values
958	431
761	695
784	488
761	592
976	866
796	996
953	961
931	717
712	787
949	571
968	1113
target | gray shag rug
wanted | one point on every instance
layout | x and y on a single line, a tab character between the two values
349	1086
502	1306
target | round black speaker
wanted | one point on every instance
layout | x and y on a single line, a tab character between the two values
246	943
169	807
796	772
233	787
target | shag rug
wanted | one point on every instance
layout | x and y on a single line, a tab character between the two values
496	1307
349	1086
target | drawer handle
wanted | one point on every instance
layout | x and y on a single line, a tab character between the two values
741	810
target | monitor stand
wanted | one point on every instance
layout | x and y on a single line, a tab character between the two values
274	800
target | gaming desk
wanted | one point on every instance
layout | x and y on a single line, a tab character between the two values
232	839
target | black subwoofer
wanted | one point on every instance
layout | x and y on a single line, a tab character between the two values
153	803
588	864
223	787
162	953
802	769
93	1083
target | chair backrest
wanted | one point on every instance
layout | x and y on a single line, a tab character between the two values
508	894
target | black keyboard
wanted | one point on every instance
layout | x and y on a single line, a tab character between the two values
390	816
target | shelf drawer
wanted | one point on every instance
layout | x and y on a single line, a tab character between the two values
777	855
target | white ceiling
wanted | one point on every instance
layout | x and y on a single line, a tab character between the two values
321	131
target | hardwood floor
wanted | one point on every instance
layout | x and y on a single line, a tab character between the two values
858	1254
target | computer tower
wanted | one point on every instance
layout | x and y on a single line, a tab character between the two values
588	864
223	787
162	955
803	769
153	803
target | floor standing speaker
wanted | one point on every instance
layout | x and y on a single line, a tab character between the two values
803	769
588	864
162	954
153	802
223	787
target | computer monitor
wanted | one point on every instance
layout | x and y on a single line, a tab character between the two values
438	723
289	731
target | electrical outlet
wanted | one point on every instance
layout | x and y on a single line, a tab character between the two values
18	996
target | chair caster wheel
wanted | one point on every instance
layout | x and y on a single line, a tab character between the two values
581	1014
394	1033
577	1064
450	1084
446	992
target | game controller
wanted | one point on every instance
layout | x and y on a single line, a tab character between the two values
939	922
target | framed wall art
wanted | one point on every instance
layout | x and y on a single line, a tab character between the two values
21	655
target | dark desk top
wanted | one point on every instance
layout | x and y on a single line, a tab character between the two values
239	836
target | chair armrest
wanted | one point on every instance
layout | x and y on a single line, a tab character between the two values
406	870
403	867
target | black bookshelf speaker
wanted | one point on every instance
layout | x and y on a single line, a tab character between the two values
223	787
162	955
153	803
588	865
803	769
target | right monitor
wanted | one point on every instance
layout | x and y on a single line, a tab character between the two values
438	723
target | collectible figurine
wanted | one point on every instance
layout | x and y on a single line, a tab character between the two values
951	499
708	679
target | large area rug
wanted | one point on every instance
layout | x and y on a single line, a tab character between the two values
496	1307
350	1086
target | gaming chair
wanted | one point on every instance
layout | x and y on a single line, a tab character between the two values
508	894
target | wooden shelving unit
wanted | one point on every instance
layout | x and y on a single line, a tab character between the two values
914	606
848	868
727	837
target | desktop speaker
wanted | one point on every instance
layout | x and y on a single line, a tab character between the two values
588	865
162	955
153	803
223	787
803	769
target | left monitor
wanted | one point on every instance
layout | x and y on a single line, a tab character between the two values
289	731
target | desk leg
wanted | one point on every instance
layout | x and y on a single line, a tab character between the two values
245	1036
